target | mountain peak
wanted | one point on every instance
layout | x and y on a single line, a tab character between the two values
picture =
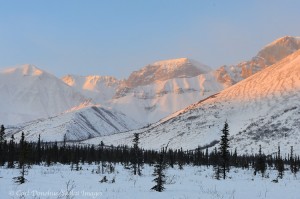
166	69
89	81
25	70
279	49
31	70
284	40
178	61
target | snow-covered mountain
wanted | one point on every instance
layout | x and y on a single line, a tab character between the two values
164	87
29	93
262	109
164	70
77	124
267	56
147	95
152	92
98	88
152	102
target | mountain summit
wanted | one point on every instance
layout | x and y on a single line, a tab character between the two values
31	93
263	109
270	54
164	70
279	49
25	70
98	88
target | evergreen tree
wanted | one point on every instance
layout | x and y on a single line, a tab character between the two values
11	152
22	151
293	165
260	164
279	164
235	158
206	157
2	133
22	160
136	160
2	143
159	173
223	151
180	159
38	151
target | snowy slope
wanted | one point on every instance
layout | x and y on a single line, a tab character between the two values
148	95
267	56
164	87
152	102
152	92
262	109
31	93
279	49
98	88
77	124
164	70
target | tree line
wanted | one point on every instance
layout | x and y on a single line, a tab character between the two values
23	154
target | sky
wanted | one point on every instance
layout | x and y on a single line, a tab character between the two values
116	37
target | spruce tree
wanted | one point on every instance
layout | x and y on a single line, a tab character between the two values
11	152
22	151
38	151
2	133
136	159
279	164
180	159
2	143
159	173
260	164
224	151
235	158
206	157
293	165
22	160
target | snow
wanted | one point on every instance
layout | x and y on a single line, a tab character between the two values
158	91
152	102
171	85
279	49
31	93
98	88
164	70
189	183
260	110
270	54
77	124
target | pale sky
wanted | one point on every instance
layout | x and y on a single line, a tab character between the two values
116	37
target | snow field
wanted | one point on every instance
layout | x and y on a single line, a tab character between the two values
189	183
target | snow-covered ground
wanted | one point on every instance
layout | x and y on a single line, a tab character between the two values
190	183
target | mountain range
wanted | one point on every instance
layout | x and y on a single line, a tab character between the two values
263	109
181	101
